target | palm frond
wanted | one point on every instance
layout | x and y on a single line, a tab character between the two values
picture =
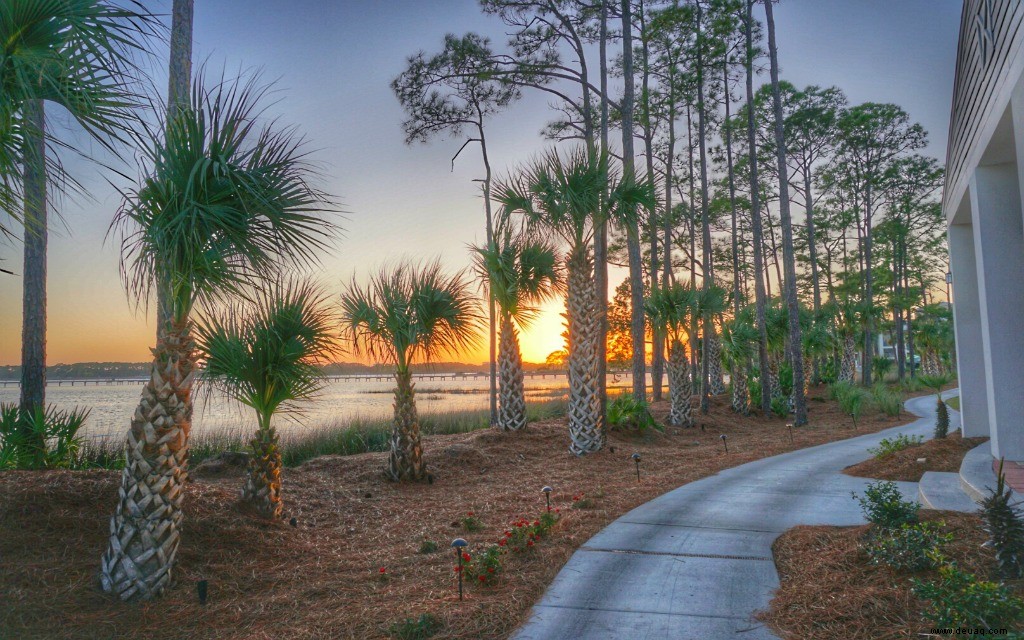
410	312
223	202
268	352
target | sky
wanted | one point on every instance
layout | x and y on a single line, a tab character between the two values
332	62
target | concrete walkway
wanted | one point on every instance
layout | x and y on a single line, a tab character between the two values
697	562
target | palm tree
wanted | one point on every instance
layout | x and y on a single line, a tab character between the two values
710	302
846	314
564	197
78	54
670	309
407	313
522	273
739	344
267	354
223	202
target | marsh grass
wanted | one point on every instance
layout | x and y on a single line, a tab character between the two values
339	437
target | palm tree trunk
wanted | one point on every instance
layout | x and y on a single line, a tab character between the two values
406	460
512	410
679	389
33	328
740	393
146	528
848	366
586	424
262	488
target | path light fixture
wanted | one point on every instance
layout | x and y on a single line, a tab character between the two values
725	441
547	496
201	590
459	544
789	425
636	459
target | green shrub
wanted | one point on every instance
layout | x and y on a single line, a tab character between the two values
626	412
754	387
889	446
941	420
41	439
959	599
786	379
780	406
471	523
880	365
911	385
485	566
888	400
851	399
829	373
911	547
837	390
883	504
428	546
425	626
1005	527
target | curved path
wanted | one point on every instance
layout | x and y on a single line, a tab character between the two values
697	562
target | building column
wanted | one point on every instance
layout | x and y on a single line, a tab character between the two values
998	221
970	354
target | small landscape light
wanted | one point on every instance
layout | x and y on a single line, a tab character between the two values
459	544
636	459
547	496
293	522
725	441
789	425
201	590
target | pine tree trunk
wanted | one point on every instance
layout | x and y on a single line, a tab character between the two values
796	356
262	488
760	298
586	426
146	528
512	410
679	390
406	460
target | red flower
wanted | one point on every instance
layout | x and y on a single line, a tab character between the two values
529	543
490	570
536	523
383	570
465	557
456	569
501	543
469	513
482	578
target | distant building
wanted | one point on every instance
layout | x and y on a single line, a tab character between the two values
983	207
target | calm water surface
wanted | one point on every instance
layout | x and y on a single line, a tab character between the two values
112	405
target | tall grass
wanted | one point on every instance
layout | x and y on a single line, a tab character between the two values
334	438
887	399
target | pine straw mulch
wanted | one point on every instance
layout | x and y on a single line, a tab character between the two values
828	589
321	579
943	454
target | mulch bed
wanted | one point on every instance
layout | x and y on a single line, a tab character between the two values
322	578
944	454
828	589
